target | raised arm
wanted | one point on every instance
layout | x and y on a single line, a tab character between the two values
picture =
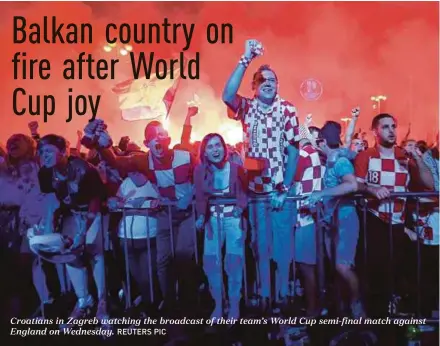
407	133
187	127
230	97
351	126
33	127
96	137
78	142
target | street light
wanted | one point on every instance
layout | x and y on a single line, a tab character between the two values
122	50
378	99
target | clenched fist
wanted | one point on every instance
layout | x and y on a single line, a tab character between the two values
355	112
252	49
33	126
104	140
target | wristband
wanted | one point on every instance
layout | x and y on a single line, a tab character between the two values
244	61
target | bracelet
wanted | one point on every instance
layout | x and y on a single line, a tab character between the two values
244	61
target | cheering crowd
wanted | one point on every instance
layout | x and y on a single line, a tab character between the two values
70	206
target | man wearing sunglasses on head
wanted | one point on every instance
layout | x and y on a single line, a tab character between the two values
271	136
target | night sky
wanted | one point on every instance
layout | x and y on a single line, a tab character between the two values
356	50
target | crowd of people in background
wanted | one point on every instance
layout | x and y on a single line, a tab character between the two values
69	201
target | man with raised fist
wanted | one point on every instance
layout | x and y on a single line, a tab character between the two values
171	172
271	132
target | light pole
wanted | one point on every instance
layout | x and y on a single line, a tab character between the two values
378	99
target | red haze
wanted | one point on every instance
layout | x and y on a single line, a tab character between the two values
355	49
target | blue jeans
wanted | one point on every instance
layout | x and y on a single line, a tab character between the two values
272	238
231	233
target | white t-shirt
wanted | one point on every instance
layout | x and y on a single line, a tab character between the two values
137	225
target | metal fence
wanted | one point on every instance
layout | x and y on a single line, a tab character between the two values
319	229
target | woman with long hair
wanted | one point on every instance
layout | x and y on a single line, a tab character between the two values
216	176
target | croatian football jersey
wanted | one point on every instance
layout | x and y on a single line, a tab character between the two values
173	177
393	172
308	178
266	136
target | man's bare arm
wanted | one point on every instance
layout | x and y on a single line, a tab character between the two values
233	84
351	126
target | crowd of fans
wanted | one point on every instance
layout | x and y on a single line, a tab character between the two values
69	201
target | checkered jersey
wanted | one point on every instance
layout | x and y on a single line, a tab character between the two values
394	172
266	136
308	178
173	177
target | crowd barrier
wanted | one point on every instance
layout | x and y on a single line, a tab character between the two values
319	229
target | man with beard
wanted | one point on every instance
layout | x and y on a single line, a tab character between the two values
271	132
380	170
80	192
171	172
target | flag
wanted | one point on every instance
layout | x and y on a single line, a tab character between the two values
147	99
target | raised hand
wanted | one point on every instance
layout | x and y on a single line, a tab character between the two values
91	128
104	140
33	127
253	48
192	111
355	112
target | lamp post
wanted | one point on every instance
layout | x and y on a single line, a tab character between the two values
377	100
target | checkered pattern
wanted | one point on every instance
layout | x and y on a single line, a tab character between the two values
427	224
304	132
173	178
308	178
266	136
222	211
394	173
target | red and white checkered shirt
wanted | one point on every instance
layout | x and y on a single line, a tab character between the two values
173	177
266	136
394	172
308	178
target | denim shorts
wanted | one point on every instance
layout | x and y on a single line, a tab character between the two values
305	244
345	239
